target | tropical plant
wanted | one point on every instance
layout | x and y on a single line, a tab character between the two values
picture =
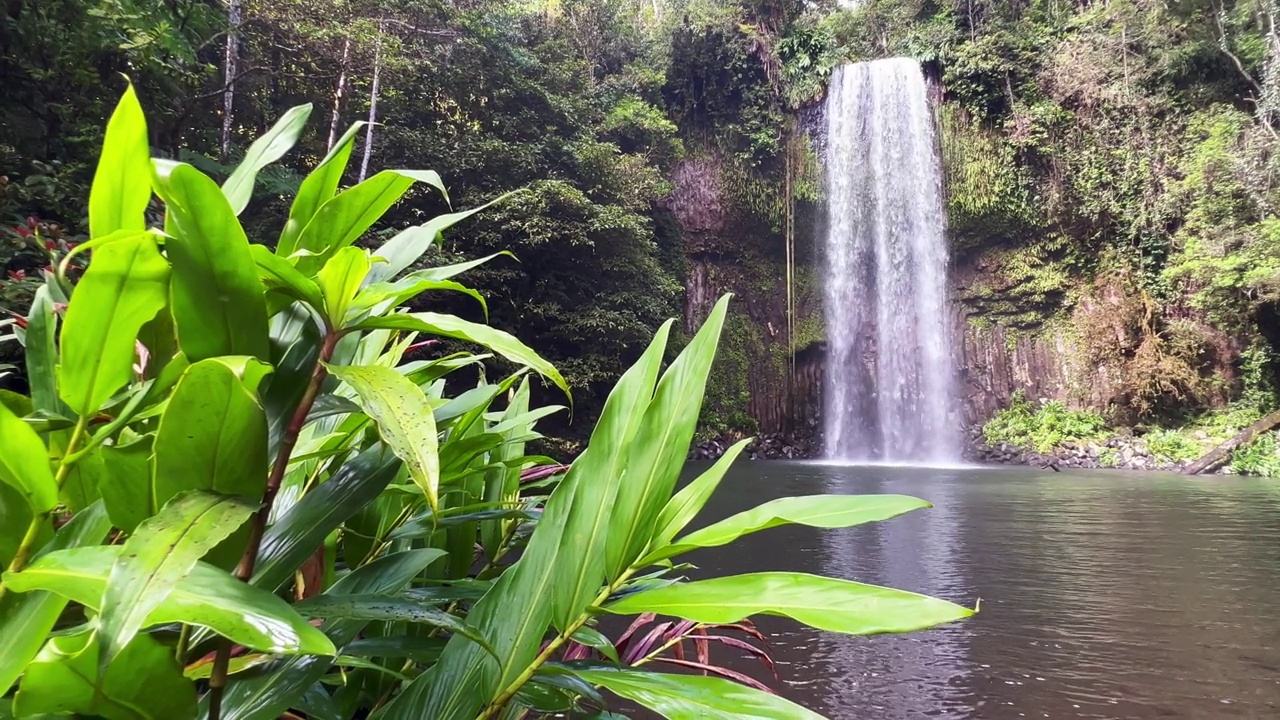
229	495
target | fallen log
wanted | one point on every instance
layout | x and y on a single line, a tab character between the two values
1219	455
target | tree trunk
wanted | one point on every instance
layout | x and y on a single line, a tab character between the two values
373	107
1219	455
229	65
338	93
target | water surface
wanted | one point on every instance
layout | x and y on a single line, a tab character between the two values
1104	595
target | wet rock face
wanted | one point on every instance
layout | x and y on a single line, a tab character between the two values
769	446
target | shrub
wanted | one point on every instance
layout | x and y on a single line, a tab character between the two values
1172	446
1042	428
225	454
1260	457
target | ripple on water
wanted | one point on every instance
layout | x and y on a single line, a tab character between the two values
1104	595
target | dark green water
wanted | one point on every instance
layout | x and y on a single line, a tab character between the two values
1103	595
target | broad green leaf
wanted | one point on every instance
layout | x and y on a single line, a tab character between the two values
27	618
389	609
687	503
266	696
24	463
42	353
265	150
380	298
695	697
207	597
145	683
159	556
824	603
599	473
296	535
502	483
15	519
502	343
822	511
418	649
657	453
596	640
464	680
342	220
218	303
340	280
316	189
126	482
401	411
278	274
442	272
82	485
406	247
125	285
121	184
212	435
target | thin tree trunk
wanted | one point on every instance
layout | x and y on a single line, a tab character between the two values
338	93
373	107
1219	455
234	11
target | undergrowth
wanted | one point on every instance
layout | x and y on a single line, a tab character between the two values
1042	426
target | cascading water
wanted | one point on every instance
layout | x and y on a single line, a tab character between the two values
889	368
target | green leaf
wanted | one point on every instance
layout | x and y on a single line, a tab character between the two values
121	187
822	511
380	298
27	618
404	420
158	556
340	280
342	220
278	274
24	464
265	150
824	603
126	482
389	609
316	189
295	536
218	303
207	597
125	285
500	342
443	272
695	697
15	518
42	353
82	485
598	473
656	455
213	436
407	246
687	503
596	640
266	696
145	683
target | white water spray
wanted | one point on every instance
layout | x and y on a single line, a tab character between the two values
889	367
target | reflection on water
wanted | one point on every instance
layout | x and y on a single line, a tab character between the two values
1103	595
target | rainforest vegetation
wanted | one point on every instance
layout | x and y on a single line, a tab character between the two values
1109	168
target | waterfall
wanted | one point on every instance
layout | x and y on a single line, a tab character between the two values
889	375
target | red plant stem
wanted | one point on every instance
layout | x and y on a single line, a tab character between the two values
244	571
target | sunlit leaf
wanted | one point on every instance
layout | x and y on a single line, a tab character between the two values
125	286
340	280
208	597
695	697
398	407
822	511
687	503
159	556
24	463
405	248
121	184
825	603
265	150
316	189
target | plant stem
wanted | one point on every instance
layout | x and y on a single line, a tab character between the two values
28	543
244	571
511	690
184	638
